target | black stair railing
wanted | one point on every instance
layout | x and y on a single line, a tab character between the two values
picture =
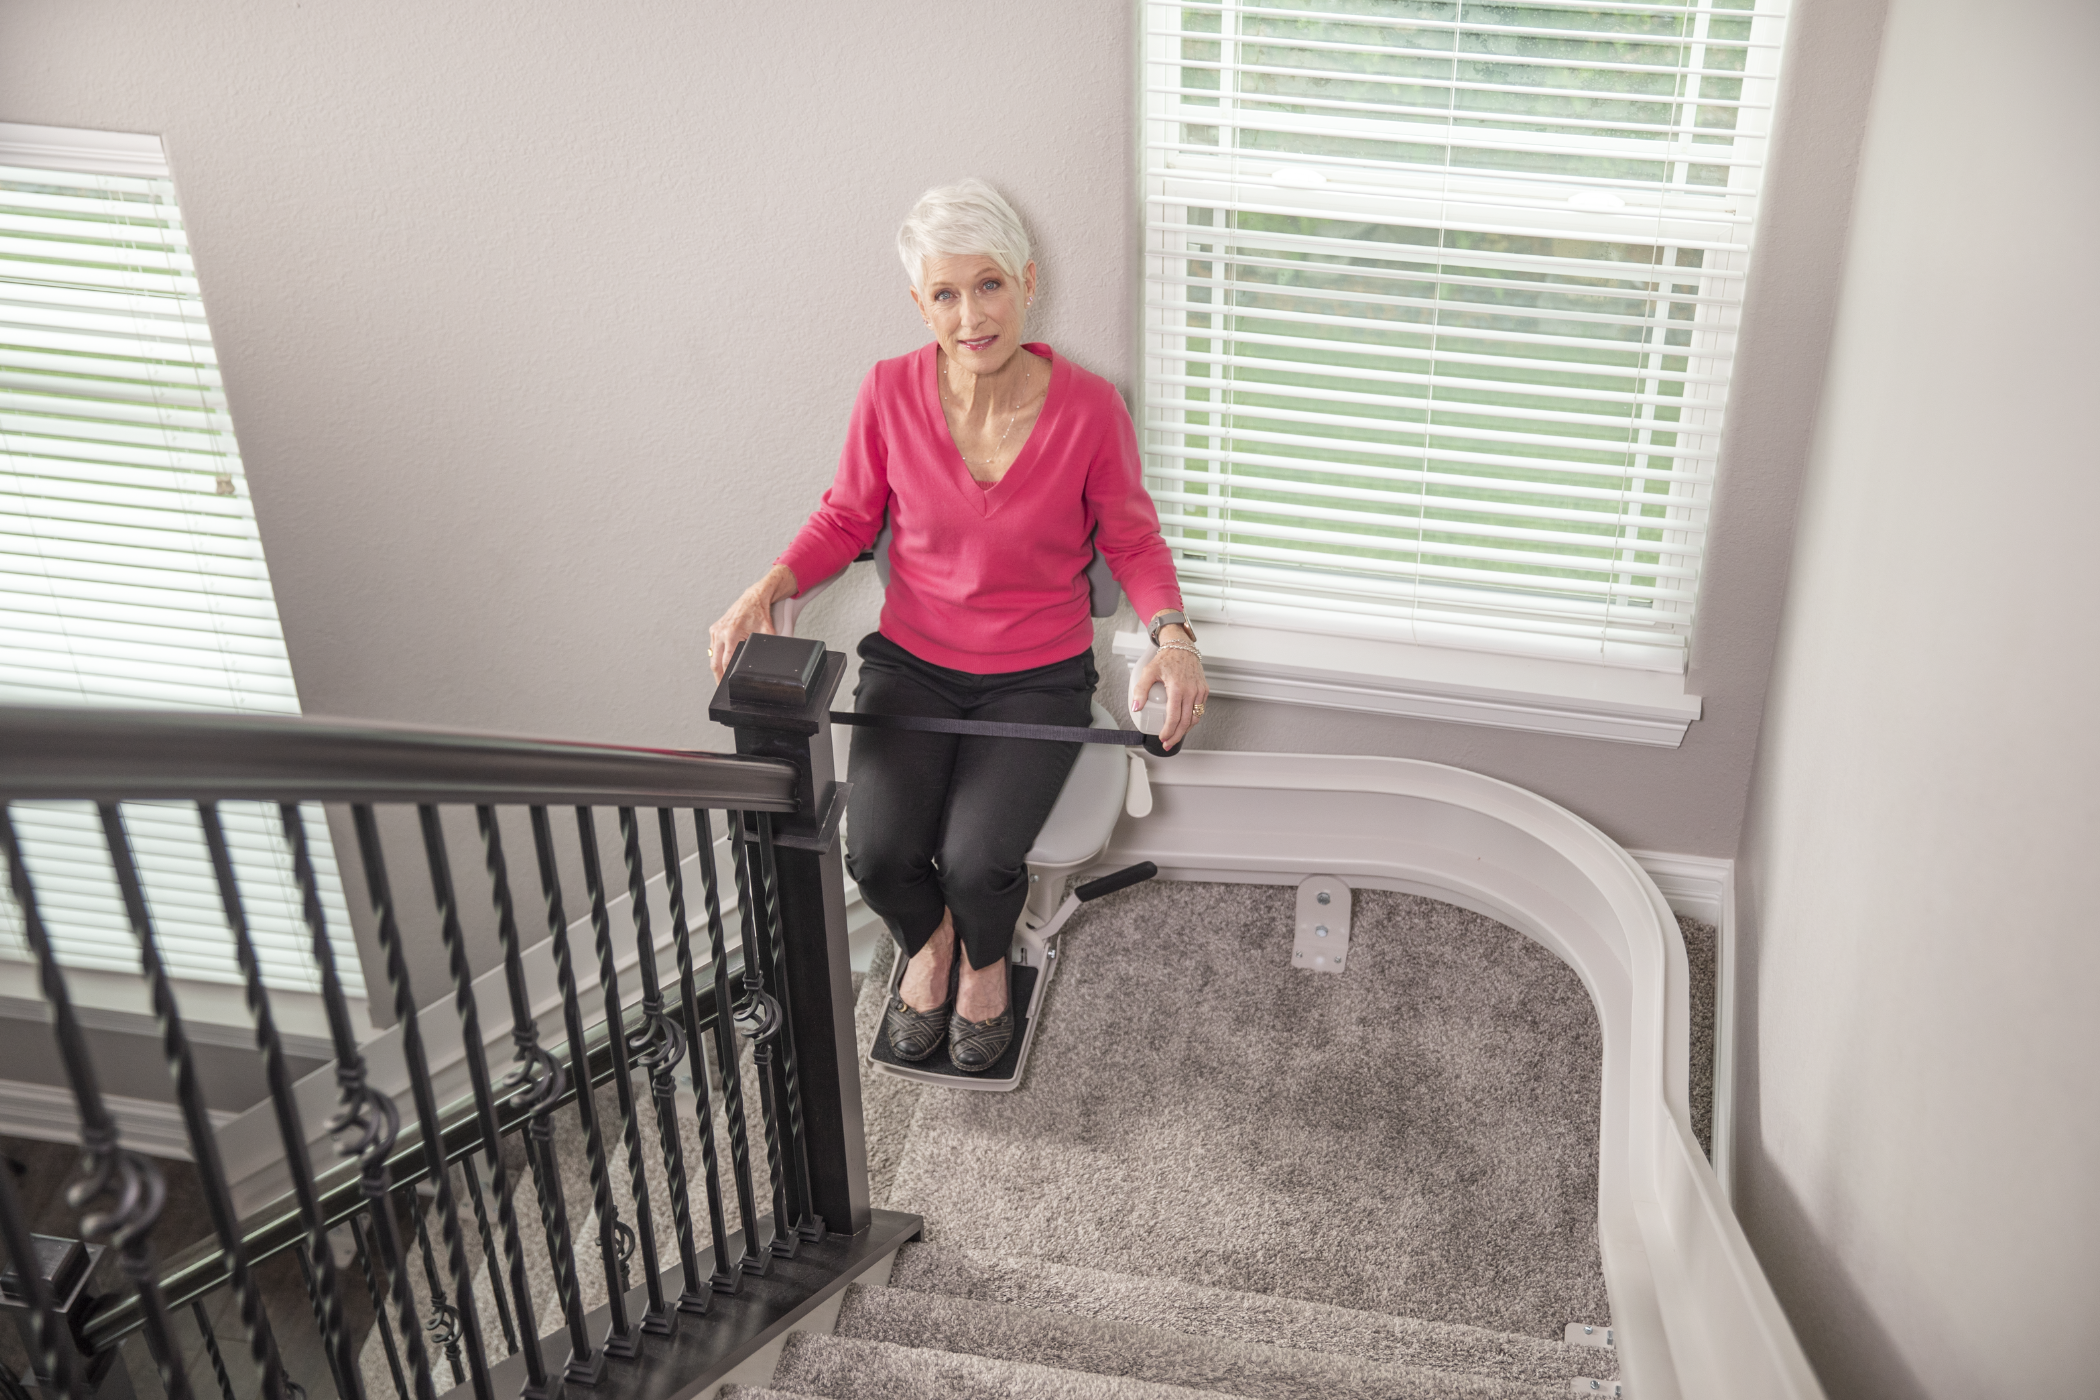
430	1318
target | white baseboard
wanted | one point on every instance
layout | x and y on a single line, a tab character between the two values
1703	888
45	1113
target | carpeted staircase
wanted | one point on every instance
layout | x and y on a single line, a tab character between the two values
965	1326
1416	1135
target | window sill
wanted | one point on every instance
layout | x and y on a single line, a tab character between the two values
213	1013
1537	694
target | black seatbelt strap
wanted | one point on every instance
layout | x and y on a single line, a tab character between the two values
994	729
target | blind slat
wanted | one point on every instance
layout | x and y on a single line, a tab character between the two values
1434	516
1242	420
1610	408
1608	504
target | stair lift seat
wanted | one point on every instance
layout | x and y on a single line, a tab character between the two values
1105	781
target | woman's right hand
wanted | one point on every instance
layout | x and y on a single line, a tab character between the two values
751	612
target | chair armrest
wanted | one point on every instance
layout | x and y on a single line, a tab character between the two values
1153	717
788	609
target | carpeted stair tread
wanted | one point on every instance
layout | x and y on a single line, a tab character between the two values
1443	1168
1064	1342
849	1368
1223	1314
764	1392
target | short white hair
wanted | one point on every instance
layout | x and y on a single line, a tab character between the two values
959	219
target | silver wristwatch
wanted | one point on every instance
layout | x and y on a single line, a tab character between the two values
1167	617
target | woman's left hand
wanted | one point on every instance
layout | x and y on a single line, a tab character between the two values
1182	674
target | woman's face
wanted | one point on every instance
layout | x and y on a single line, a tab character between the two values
975	309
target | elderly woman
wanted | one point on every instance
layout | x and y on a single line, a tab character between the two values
1001	467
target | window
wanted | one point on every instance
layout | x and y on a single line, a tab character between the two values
131	572
1440	306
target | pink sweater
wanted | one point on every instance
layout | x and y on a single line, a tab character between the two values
990	581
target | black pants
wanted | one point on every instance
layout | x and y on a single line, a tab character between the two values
945	820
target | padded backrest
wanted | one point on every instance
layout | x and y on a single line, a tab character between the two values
1101	584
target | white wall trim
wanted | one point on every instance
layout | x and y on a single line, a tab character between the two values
1545	696
1703	888
73	148
46	1113
213	1013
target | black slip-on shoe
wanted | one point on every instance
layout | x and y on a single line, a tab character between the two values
975	1046
916	1034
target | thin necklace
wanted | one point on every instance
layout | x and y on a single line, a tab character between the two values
1015	417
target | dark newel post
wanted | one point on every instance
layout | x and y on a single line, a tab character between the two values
777	697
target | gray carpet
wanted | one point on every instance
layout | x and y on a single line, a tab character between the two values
1416	1136
849	1368
1702	949
938	1322
1241	1317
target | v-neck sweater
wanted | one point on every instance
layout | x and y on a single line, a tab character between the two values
990	581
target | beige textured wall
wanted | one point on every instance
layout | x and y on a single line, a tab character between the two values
1920	1105
541	324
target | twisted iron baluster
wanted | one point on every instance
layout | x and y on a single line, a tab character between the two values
657	1317
623	1240
756	1258
317	1259
211	1347
381	894
49	1362
689	1010
52	1361
443	1326
807	1222
469	1011
136	1193
758	1020
378	1294
620	1339
345	1390
540	1080
661	1045
189	1095
471	1174
131	1183
367	1123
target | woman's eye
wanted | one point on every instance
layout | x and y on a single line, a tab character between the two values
990	286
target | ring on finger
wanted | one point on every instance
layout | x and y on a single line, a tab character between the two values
1199	709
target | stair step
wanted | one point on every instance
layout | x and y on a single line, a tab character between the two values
1201	1311
764	1392
1064	1342
847	1368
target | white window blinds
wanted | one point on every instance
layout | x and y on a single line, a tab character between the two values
1440	306
131	572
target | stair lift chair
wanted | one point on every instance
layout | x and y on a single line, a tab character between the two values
1106	781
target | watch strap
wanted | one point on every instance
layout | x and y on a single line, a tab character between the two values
1167	617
